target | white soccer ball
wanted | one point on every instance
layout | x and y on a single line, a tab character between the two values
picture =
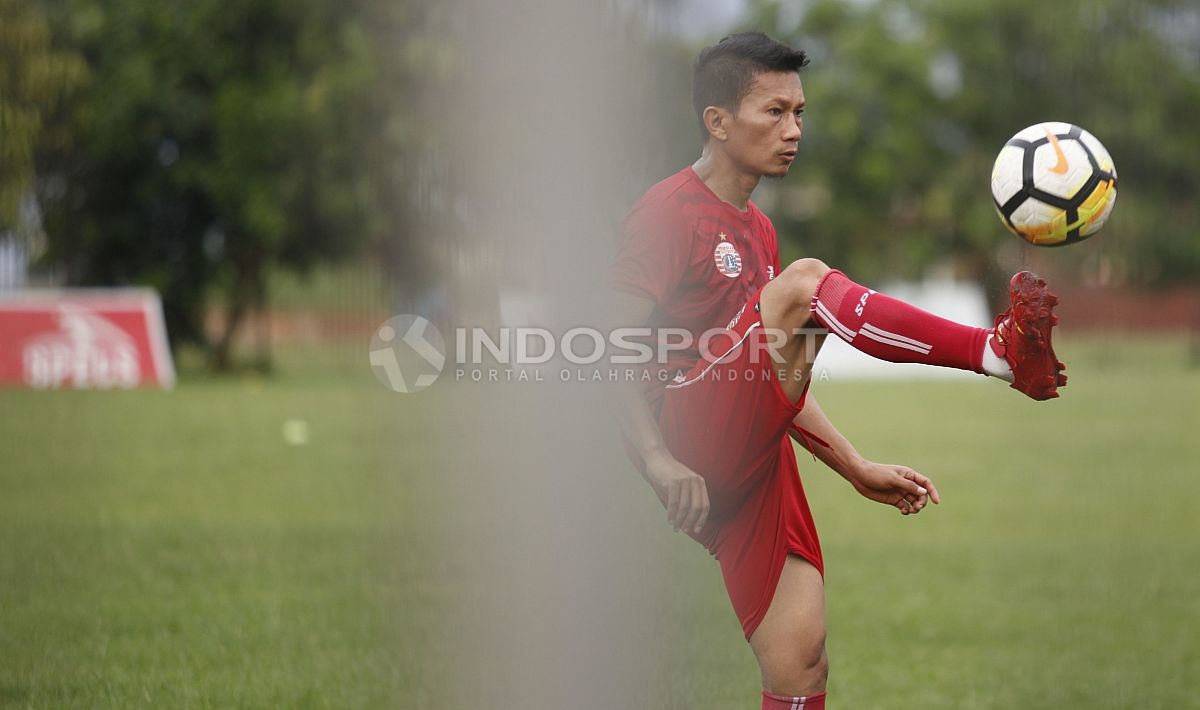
1054	184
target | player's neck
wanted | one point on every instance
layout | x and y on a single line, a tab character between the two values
725	179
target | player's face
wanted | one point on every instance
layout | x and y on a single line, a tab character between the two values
764	132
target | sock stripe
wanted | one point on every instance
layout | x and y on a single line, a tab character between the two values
792	702
893	343
896	339
832	323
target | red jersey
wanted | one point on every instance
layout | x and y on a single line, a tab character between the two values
697	257
704	264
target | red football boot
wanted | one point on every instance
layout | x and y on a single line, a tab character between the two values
1022	337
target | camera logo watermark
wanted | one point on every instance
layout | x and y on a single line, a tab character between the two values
407	353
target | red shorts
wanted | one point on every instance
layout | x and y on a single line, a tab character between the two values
728	421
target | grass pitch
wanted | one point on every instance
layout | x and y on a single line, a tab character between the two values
175	550
1062	569
172	549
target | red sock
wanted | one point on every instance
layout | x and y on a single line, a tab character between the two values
782	702
892	330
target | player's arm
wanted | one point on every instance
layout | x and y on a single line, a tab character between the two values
680	489
899	486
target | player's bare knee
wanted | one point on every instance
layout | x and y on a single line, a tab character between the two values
786	298
810	669
818	669
810	650
801	278
801	669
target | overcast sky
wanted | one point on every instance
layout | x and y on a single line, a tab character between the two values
701	19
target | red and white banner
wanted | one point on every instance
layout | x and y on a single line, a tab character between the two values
84	339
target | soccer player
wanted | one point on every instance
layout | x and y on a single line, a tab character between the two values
710	432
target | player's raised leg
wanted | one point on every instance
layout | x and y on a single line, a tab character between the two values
789	643
1017	350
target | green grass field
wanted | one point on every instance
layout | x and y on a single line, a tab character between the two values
173	550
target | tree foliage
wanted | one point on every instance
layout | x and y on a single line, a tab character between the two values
196	145
910	101
35	79
218	140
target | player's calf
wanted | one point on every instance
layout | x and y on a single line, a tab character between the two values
892	330
1017	350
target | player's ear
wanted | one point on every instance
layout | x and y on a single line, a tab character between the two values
716	120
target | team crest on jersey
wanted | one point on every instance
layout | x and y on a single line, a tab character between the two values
728	261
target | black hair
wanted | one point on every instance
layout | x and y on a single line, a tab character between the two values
725	71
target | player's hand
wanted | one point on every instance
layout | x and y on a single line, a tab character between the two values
682	490
898	486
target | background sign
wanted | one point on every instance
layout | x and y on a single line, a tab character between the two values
86	339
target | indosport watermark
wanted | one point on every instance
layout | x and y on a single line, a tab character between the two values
408	353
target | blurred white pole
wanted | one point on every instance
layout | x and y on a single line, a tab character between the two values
547	562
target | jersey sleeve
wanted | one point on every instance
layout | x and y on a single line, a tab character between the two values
653	255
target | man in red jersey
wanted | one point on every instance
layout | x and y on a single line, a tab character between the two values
709	427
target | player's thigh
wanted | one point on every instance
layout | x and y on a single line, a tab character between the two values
787	319
789	643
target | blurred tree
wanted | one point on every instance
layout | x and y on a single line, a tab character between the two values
35	78
222	139
910	100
